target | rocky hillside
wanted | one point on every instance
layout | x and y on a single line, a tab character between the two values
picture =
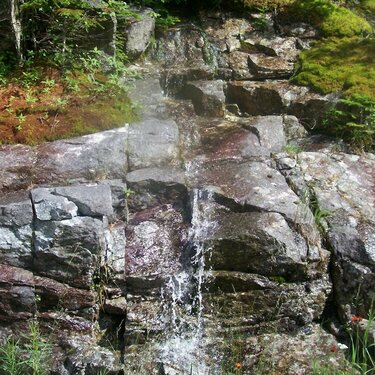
214	235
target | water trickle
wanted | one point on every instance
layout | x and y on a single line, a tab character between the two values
182	348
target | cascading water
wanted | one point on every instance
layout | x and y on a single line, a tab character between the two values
181	351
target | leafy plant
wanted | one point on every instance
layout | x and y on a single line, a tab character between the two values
30	98
353	118
292	149
37	350
362	348
10	358
29	77
361	358
28	355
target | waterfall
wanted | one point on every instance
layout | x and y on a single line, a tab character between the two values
181	351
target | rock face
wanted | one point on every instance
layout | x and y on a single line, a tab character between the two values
139	33
191	231
207	96
339	186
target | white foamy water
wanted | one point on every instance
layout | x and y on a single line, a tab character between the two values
182	350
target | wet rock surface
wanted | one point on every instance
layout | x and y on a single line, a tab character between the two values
172	234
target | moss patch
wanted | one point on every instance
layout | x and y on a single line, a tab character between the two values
329	18
335	64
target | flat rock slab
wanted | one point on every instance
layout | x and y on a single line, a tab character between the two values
153	143
91	200
256	186
224	139
249	66
269	129
272	45
263	67
88	158
148	94
300	303
17	294
268	247
67	202
94	156
342	182
151	187
278	97
55	295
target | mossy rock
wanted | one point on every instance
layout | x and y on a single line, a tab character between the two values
339	64
329	18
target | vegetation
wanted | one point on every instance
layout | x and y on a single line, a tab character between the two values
56	83
41	103
342	62
28	355
361	356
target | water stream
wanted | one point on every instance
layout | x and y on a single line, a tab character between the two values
182	350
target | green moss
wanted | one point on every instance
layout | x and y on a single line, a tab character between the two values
343	22
278	279
266	4
102	115
336	64
329	18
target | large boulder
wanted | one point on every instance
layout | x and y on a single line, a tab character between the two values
272	45
91	157
246	301
54	295
88	158
139	33
279	97
255	186
69	250
269	129
151	187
